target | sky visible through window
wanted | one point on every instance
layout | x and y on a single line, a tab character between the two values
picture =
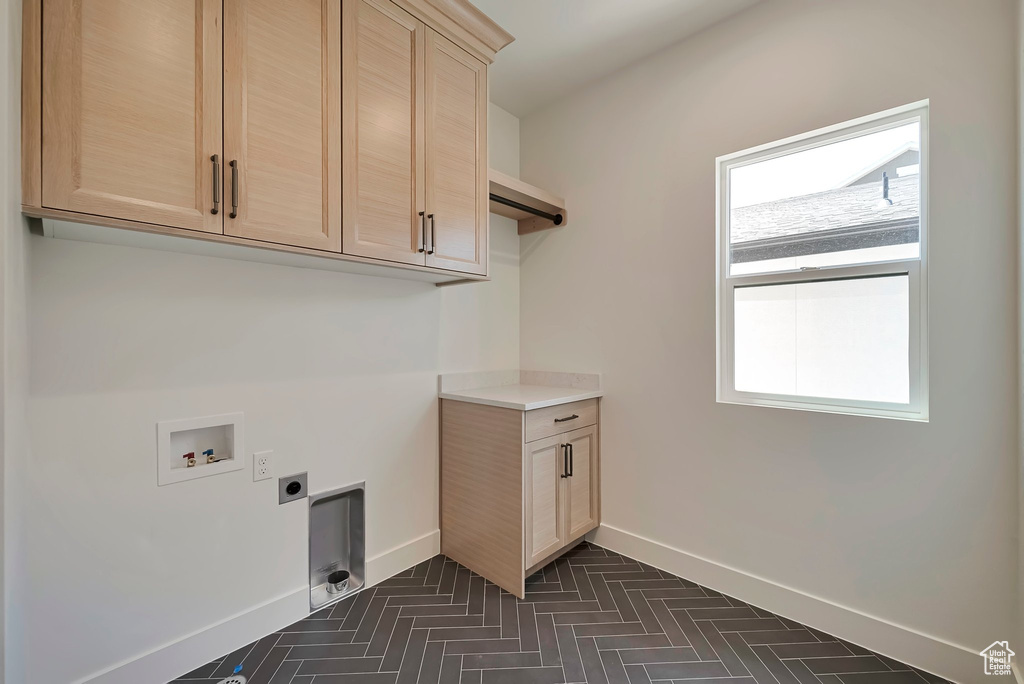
819	169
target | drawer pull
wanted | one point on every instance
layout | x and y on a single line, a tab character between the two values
566	420
565	461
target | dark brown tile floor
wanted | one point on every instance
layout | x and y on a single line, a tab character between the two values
592	616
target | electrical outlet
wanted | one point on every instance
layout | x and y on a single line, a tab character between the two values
262	465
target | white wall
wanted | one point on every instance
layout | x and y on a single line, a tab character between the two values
480	322
9	190
336	373
13	333
914	524
503	141
1019	632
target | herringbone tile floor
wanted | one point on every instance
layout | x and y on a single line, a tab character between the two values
592	616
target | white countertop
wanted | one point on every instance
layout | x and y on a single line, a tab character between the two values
522	397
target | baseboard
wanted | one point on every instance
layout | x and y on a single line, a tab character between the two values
174	659
952	661
402	557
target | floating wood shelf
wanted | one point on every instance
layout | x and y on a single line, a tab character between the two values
535	209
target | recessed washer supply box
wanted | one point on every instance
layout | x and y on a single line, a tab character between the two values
177	438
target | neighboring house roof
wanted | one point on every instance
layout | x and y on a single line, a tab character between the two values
852	217
895	154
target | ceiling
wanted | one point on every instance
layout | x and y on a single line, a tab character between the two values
563	44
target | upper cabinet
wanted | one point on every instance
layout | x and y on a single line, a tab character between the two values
349	129
282	105
382	121
414	116
131	109
457	199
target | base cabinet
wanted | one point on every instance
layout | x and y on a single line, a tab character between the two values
580	485
561	496
509	505
545	495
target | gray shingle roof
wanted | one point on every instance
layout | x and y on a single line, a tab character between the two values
844	208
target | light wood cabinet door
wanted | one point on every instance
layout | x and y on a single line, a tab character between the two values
382	123
456	157
544	526
132	109
282	121
582	485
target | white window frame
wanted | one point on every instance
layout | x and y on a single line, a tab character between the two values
915	269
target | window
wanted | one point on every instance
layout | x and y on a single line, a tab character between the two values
822	289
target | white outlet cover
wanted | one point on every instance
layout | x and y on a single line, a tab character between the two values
262	465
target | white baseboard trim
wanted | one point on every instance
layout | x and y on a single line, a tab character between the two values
933	654
174	659
402	557
167	662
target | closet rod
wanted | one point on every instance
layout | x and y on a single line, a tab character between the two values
554	218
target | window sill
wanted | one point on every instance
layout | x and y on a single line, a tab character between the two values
857	411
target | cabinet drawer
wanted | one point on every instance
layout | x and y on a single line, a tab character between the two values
541	423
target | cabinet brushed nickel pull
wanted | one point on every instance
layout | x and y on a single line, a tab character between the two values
234	188
566	420
565	461
423	232
570	459
433	235
216	184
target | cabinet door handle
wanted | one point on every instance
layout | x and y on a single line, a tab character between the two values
566	420
565	461
423	232
234	188
216	184
570	459
433	235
